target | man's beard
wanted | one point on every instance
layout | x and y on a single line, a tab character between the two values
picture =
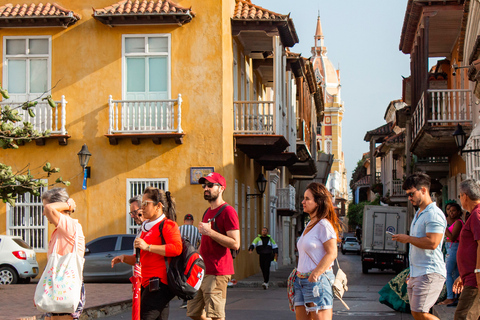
210	196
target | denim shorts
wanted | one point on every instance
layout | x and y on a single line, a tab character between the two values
319	293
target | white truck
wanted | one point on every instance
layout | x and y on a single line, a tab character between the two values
378	248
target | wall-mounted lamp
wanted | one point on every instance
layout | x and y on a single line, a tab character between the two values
460	139
84	156
456	67
261	185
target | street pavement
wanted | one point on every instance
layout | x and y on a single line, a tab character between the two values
245	300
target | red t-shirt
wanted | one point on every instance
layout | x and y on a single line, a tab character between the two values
467	249
218	259
153	265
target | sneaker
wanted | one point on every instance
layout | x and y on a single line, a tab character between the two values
184	305
265	286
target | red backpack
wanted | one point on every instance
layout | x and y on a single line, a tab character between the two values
186	271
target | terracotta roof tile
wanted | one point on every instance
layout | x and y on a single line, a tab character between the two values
35	11
139	7
245	10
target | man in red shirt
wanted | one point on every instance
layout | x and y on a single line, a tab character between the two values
220	233
468	254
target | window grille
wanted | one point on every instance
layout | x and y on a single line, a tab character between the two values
136	187
27	221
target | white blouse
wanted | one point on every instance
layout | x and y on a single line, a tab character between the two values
312	242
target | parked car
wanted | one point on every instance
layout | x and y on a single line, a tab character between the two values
350	244
18	261
98	258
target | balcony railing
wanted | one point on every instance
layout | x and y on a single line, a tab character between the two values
441	108
145	116
46	117
254	117
286	198
394	187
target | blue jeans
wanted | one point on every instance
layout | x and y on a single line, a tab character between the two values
319	293
451	263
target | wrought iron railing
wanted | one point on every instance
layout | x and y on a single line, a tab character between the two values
145	116
254	117
441	108
46	117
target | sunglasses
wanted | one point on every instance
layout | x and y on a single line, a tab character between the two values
210	185
410	194
137	212
145	203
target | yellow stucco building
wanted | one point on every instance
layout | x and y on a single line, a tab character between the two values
330	136
161	93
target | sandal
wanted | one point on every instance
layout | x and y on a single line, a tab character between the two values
446	301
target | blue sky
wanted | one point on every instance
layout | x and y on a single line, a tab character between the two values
362	37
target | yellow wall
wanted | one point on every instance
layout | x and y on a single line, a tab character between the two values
87	64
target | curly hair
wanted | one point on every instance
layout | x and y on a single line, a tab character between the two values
325	210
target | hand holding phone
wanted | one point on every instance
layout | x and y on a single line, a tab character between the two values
390	233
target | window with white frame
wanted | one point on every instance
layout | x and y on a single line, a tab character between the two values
235	72
27	66
146	67
26	220
136	187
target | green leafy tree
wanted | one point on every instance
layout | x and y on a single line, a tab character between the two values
13	133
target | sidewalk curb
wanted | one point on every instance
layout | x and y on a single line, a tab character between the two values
101	311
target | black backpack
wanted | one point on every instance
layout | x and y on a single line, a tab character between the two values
233	252
186	271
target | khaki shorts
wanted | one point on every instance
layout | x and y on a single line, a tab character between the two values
423	291
211	298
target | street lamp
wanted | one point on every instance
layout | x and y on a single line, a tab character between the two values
460	140
84	156
261	185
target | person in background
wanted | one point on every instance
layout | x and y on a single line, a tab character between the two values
427	267
317	248
57	208
267	250
468	254
157	206
136	211
455	224
189	232
219	235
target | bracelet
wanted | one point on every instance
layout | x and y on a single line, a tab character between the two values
149	247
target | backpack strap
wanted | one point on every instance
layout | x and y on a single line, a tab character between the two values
218	213
160	228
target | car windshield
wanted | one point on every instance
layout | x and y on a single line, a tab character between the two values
21	243
350	240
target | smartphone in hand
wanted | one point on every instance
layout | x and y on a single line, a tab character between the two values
390	233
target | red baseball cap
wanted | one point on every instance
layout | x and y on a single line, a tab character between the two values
214	178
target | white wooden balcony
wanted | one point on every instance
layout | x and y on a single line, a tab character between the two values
254	117
286	201
145	116
437	113
394	188
46	117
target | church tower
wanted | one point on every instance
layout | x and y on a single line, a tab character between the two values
330	136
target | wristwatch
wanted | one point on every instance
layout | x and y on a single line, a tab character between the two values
476	271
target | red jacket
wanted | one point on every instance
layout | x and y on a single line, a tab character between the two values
153	265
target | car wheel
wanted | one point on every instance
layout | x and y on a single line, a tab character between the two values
364	269
8	275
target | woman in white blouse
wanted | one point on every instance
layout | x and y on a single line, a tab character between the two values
317	248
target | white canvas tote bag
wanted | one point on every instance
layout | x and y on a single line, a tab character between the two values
59	288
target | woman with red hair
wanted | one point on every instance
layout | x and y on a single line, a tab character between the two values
317	248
